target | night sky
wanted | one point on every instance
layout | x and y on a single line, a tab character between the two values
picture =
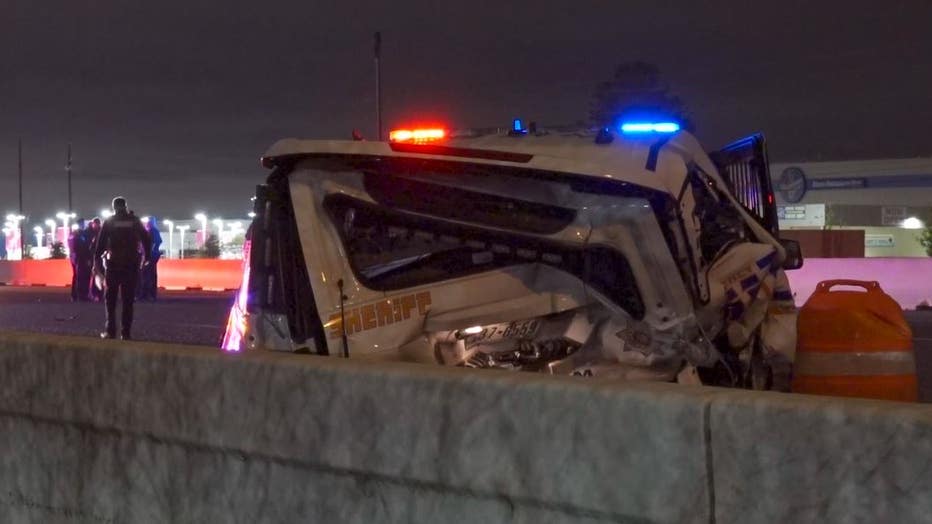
170	103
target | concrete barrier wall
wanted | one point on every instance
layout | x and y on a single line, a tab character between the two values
138	432
173	274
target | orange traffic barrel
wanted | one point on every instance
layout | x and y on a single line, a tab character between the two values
854	344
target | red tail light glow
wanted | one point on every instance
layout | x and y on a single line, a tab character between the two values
417	136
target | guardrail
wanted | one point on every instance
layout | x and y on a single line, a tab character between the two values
173	274
138	432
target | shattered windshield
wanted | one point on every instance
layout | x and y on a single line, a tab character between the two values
391	250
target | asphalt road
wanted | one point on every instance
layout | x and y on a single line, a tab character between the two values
179	317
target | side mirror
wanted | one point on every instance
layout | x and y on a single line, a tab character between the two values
794	254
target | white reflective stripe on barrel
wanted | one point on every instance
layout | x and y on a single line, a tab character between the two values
857	364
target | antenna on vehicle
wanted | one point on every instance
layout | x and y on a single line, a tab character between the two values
343	320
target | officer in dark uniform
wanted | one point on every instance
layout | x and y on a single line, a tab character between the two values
150	275
81	261
120	238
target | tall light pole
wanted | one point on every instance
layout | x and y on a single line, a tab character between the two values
22	251
219	223
378	84
68	171
182	229
15	223
171	236
51	223
64	217
7	231
202	218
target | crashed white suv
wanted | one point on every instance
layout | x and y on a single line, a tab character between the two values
602	253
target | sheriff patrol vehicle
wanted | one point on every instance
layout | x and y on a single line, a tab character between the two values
625	252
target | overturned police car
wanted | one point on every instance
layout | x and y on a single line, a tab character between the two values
625	253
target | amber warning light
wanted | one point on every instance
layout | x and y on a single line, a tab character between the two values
417	136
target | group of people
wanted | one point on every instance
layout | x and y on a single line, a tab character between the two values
115	259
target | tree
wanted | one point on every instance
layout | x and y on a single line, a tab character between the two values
212	247
636	91
58	251
925	239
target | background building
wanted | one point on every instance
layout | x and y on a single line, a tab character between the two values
889	199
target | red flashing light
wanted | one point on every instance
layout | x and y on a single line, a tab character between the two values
770	198
417	136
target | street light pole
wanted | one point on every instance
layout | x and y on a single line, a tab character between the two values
51	223
64	217
378	84
219	223
171	236
15	223
202	218
68	170
182	229
22	250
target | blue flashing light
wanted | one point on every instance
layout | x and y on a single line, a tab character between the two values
517	126
649	127
666	127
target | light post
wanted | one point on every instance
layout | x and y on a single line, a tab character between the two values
6	232
68	171
235	229
64	217
202	218
171	236
14	222
182	229
51	225
219	223
39	232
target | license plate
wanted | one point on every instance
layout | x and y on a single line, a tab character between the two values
508	330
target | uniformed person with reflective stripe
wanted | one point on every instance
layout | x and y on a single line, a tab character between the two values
118	250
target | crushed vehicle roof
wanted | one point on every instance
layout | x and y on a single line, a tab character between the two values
624	159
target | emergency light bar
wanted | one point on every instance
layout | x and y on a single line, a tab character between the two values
418	136
649	127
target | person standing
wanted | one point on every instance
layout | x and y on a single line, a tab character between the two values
79	254
92	232
150	274
84	261
120	238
